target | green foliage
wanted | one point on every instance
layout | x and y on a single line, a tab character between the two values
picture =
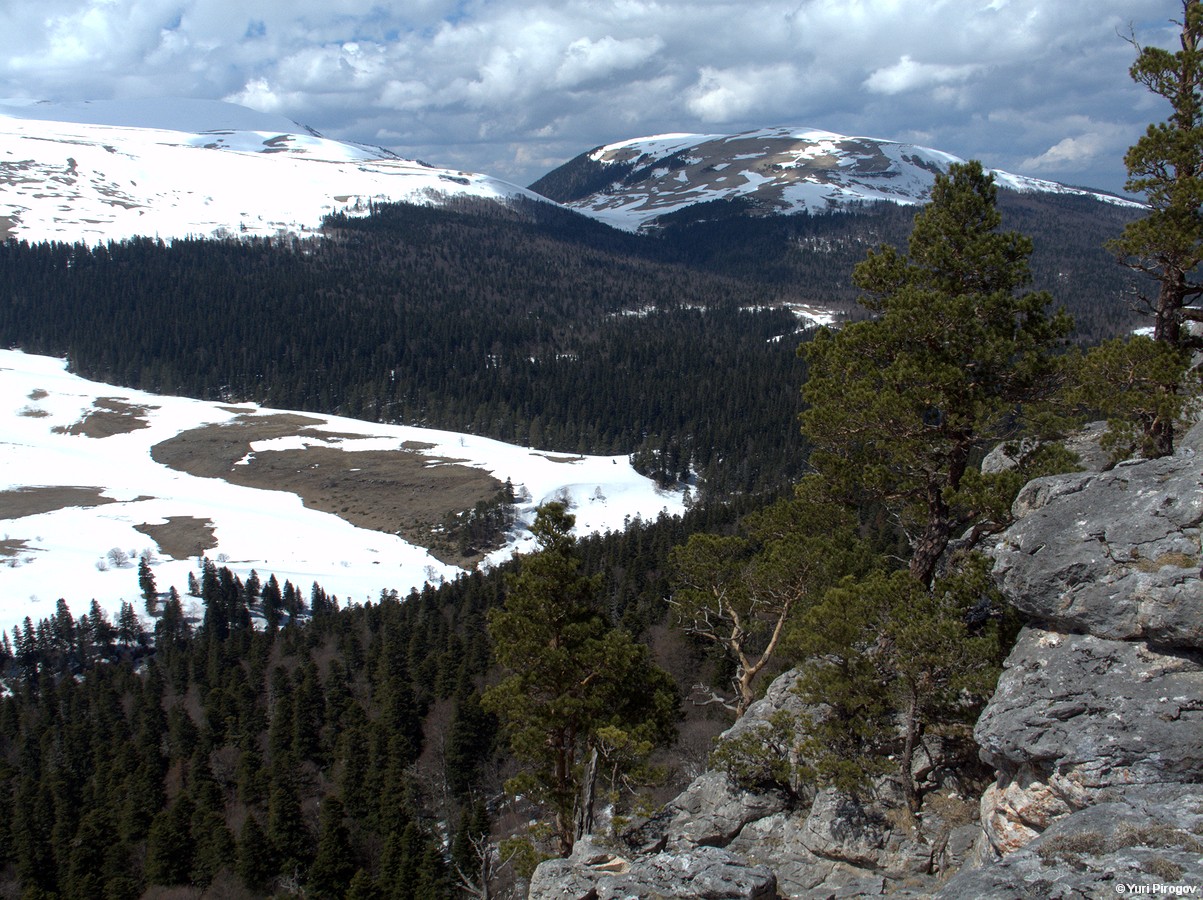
1143	387
763	757
739	592
571	674
900	405
885	650
1166	165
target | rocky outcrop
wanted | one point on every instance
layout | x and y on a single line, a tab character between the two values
1096	727
593	872
1095	732
1076	719
1149	837
718	842
1114	554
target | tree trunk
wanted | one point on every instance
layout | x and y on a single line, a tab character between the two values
583	820
909	791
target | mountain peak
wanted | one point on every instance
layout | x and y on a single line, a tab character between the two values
634	184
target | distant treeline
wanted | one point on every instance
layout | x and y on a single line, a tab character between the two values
528	324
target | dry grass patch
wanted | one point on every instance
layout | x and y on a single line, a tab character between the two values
181	537
393	491
110	416
11	548
33	501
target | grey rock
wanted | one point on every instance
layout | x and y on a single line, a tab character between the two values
1147	835
710	812
1075	717
594	872
1116	554
1109	711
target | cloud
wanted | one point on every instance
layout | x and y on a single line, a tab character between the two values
587	60
909	75
505	85
1081	151
726	95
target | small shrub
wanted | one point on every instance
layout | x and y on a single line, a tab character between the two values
1068	848
1163	869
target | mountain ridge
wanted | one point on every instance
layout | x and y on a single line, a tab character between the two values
110	170
635	184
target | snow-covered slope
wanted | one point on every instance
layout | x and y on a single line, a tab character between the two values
67	499
95	171
633	184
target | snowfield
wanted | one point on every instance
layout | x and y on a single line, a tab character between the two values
105	486
109	170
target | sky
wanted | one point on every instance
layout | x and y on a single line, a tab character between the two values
513	88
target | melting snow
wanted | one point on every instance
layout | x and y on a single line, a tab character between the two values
271	531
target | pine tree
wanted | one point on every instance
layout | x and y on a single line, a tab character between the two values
740	592
333	866
1166	165
169	845
254	864
900	404
146	582
571	674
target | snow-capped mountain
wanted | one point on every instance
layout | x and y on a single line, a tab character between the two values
99	170
633	184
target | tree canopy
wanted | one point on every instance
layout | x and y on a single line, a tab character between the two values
900	404
577	689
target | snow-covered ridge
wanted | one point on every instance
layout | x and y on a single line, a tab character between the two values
68	498
106	170
784	170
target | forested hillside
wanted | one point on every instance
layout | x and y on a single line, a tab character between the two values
528	324
340	747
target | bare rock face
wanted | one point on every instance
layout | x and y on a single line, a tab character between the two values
1150	837
1076	718
1114	554
1096	727
595	873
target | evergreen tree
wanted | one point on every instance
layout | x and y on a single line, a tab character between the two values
255	863
885	651
129	626
900	404
740	592
334	865
146	582
169	845
571	675
1166	165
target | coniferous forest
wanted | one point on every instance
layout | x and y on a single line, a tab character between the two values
276	744
531	325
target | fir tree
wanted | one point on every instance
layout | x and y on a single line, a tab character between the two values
571	674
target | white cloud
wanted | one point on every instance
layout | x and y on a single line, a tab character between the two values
1078	152
587	60
725	95
500	85
909	75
